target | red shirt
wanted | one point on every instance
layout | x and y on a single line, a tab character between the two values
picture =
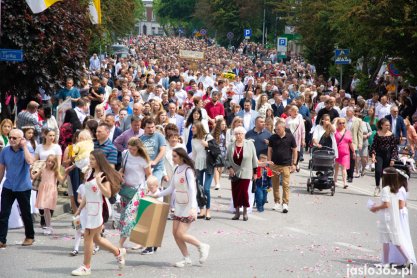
214	110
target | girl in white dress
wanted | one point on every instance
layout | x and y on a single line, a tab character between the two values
389	225
394	256
102	181
184	186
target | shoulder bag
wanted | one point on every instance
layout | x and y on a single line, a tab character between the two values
127	192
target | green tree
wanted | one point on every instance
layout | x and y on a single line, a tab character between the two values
54	44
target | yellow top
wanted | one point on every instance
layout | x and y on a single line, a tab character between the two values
82	149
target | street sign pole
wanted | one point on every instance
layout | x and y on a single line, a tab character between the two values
341	76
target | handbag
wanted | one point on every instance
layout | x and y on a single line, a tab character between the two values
37	166
213	152
128	192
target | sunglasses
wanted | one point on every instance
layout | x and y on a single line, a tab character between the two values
342	123
14	138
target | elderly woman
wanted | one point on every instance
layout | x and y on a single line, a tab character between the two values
295	123
241	161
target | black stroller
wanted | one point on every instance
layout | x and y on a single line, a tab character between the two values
321	170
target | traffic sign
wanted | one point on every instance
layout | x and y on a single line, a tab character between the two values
393	70
11	55
342	57
282	44
230	35
203	32
247	33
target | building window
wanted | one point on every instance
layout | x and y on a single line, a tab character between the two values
144	30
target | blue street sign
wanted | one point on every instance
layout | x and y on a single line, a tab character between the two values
203	32
180	30
247	33
342	57
11	55
282	42
230	35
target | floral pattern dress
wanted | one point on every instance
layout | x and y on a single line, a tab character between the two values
128	214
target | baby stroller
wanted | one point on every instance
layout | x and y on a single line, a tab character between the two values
321	170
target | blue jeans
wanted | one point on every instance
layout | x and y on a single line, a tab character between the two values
23	199
261	195
158	173
208	178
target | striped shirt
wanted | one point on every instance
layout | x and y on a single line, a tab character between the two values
25	118
108	149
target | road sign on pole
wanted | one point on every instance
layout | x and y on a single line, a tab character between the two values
342	57
11	55
230	35
203	32
247	33
282	44
393	70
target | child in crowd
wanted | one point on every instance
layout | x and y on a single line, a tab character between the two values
82	150
263	183
83	221
389	224
151	189
48	192
394	256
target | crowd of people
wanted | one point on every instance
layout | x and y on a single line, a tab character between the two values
156	124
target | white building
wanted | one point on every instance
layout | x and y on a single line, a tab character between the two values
149	25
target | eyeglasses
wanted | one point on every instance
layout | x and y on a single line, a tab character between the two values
13	138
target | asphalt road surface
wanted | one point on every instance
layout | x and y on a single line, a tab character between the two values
321	236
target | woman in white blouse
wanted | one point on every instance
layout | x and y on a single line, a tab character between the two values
204	171
295	123
263	105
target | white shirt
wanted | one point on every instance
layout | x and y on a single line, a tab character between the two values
181	95
112	133
382	110
393	124
80	114
134	173
246	119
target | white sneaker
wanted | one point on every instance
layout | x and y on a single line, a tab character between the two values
284	208
48	231
367	167
276	206
81	271
185	262
204	250
217	187
377	191
121	258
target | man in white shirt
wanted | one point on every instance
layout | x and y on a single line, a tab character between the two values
94	63
206	80
239	88
383	109
180	93
286	98
248	115
81	110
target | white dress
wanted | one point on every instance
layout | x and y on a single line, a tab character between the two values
15	220
94	205
395	256
83	213
199	154
389	225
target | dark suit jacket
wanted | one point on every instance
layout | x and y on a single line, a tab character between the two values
117	132
400	128
278	110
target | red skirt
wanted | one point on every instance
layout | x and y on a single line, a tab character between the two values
240	193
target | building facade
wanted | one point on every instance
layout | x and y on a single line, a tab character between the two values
149	25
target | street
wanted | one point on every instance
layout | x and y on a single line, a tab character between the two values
319	237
